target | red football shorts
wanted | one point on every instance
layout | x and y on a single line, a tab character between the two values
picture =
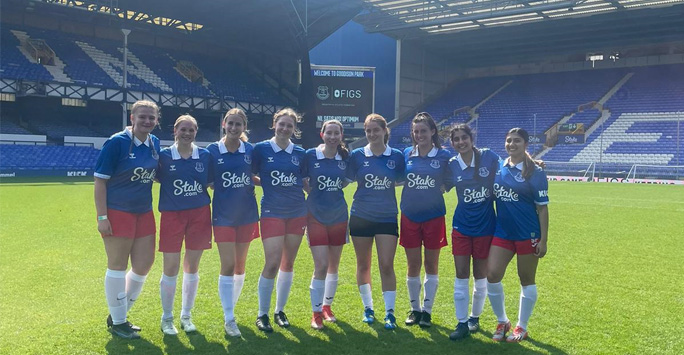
431	233
478	247
131	225
520	247
236	234
321	234
193	225
275	227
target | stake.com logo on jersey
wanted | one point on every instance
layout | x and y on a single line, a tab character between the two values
280	179
505	195
143	175
375	183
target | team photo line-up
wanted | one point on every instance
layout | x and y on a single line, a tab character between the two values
131	160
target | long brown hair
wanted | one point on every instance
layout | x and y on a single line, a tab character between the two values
528	163
374	117
426	118
341	148
476	152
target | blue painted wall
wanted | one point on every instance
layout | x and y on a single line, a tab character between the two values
351	45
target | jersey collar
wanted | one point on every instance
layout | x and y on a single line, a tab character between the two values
320	155
276	148
463	164
508	163
431	154
175	155
369	153
129	133
222	146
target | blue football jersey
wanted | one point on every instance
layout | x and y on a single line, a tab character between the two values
326	178
234	201
376	177
281	172
516	200
422	198
183	181
474	215
130	169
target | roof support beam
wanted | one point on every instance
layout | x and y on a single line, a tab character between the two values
474	17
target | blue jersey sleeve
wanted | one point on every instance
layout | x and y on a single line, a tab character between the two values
447	176
108	159
352	167
256	159
401	166
540	186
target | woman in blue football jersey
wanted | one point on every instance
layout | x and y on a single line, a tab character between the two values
281	166
376	168
185	215
124	174
327	219
422	214
234	228
473	172
522	225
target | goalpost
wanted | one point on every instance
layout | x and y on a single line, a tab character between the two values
657	172
563	168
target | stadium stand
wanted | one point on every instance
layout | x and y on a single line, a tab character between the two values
48	157
97	62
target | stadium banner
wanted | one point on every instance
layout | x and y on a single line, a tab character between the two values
17	173
570	138
615	180
538	139
343	93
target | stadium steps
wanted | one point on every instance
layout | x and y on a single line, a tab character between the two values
57	70
617	132
145	73
615	88
492	95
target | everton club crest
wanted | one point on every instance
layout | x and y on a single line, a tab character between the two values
484	172
199	167
518	177
342	165
295	161
435	164
323	93
391	164
248	159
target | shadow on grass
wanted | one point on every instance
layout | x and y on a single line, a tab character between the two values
125	346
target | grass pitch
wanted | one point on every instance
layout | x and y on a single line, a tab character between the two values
610	283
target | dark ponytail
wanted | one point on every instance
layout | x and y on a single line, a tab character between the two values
528	163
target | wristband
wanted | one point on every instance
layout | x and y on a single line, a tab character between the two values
102	218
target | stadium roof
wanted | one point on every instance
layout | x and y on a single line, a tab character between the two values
276	26
486	32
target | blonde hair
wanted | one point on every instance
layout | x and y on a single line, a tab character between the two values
181	119
145	103
341	148
295	116
374	117
237	112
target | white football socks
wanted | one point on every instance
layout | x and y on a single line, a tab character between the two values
461	299
115	293
283	287
265	290
528	297
429	291
330	289
134	285
316	291
496	299
479	296
226	292
167	292
413	286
